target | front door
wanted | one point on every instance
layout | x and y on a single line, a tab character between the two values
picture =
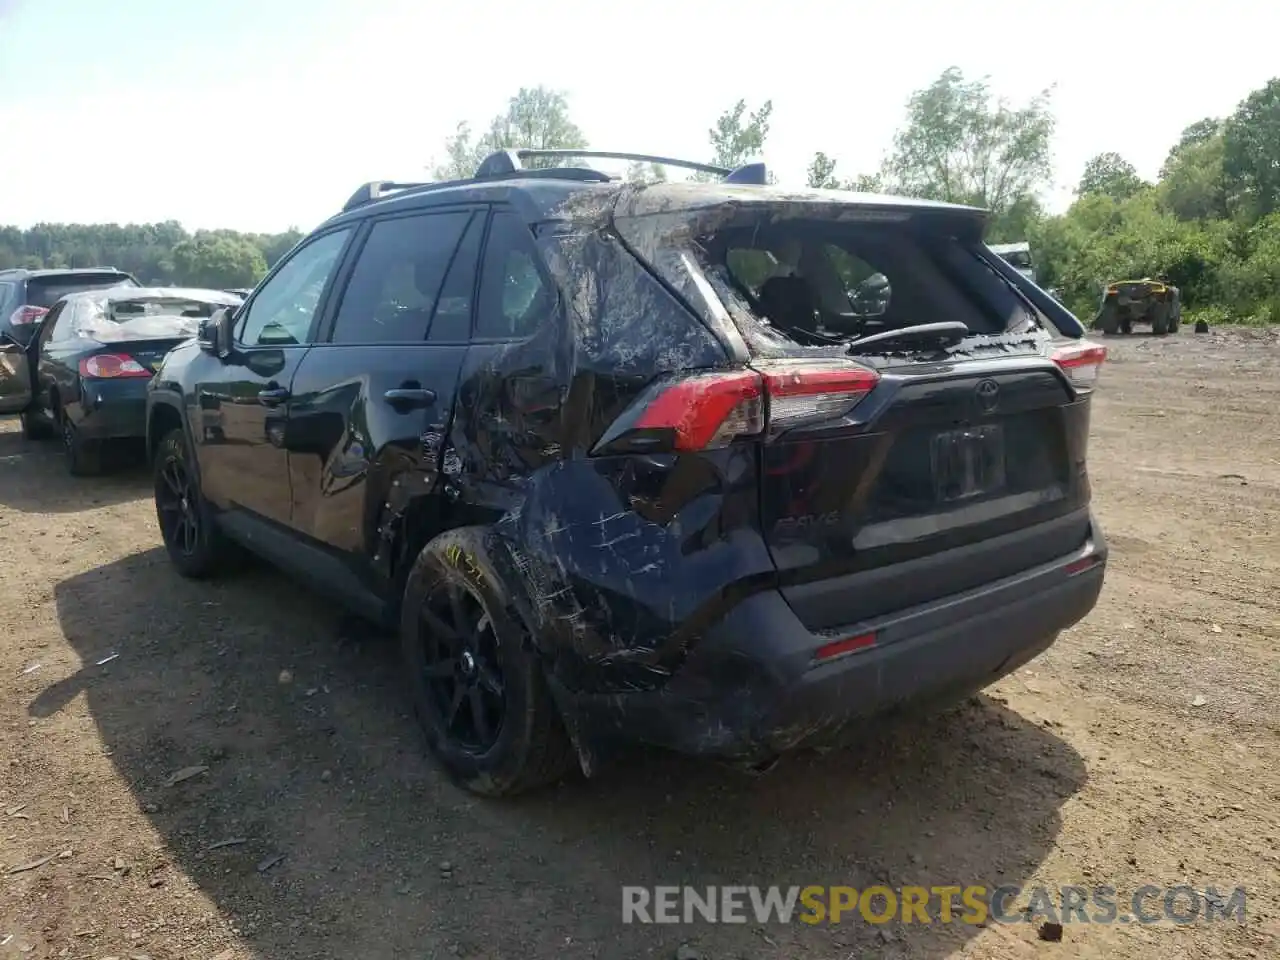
242	402
371	406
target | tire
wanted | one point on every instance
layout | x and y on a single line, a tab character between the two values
196	547
83	457
481	700
33	428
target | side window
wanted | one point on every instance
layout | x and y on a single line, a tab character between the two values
281	312
397	280
515	295
452	320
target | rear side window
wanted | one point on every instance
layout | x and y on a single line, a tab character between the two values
46	291
398	278
516	297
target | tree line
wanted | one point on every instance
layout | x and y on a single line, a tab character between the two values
156	253
1210	222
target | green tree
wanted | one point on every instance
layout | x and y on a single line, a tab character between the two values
822	175
1110	174
638	172
209	260
1192	182
1251	152
1198	133
738	137
961	145
535	118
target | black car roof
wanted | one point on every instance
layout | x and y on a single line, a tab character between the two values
582	193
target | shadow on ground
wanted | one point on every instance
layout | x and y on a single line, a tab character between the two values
326	769
33	478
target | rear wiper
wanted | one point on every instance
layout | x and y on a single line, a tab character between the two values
938	335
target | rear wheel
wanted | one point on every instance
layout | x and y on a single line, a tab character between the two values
196	546
83	457
477	690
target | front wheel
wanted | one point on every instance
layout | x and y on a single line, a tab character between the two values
478	691
196	546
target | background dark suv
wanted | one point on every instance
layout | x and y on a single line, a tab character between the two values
27	295
628	463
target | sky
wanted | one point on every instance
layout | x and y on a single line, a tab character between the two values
262	115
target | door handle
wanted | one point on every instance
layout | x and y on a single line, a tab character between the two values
409	398
273	396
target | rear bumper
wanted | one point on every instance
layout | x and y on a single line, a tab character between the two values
112	409
750	689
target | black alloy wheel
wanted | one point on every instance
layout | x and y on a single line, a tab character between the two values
178	507
462	667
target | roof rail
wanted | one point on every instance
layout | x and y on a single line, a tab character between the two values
507	162
375	190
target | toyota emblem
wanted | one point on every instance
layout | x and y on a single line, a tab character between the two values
988	395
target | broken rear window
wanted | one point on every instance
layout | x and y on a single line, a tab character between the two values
148	318
822	275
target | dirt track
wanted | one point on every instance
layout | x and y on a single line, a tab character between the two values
1142	748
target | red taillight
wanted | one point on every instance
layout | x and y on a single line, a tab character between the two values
838	648
710	410
706	411
26	316
1081	362
112	365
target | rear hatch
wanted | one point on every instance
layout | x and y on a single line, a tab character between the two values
918	412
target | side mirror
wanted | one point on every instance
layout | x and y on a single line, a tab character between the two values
214	335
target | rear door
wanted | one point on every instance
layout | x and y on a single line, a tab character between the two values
372	402
46	353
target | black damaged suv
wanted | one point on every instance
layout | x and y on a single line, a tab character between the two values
715	466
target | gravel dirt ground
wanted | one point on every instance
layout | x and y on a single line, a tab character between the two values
1141	748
